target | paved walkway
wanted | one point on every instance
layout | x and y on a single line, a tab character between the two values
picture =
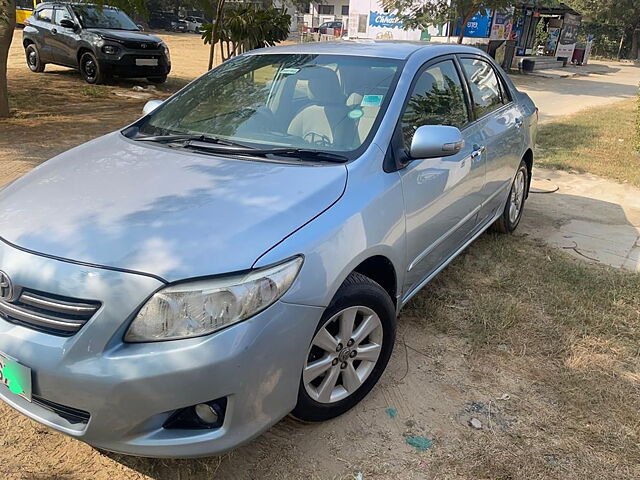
557	97
595	219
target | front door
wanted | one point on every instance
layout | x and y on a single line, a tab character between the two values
64	40
442	195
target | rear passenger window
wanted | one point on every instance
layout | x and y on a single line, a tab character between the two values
45	15
485	87
436	98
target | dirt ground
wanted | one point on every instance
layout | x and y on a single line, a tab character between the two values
553	384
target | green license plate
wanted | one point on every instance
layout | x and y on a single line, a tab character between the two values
14	377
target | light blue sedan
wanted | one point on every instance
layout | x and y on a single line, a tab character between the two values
243	250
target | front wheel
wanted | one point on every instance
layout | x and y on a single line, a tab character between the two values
349	351
34	61
512	213
90	69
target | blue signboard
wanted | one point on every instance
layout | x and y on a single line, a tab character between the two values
386	20
478	26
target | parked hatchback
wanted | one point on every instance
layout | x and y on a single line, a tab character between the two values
242	251
100	42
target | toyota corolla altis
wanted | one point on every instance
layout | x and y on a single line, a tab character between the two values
242	251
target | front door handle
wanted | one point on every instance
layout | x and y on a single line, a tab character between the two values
478	150
519	123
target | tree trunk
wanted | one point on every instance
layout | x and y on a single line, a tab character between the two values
215	32
620	46
7	24
465	19
635	45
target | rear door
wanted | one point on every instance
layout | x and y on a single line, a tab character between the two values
44	23
499	122
442	195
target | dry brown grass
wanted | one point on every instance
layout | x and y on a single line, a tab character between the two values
569	334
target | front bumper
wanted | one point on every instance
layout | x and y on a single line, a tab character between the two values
129	390
126	66
124	62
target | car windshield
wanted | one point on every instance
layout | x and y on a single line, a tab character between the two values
326	103
93	17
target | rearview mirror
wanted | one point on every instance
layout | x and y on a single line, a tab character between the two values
150	106
431	141
66	23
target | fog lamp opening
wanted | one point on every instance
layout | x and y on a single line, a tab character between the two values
206	415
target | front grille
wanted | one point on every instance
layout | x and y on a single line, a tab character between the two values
72	415
48	313
141	45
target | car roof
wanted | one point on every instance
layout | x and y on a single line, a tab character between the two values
392	49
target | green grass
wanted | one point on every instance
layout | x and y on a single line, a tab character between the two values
600	140
96	91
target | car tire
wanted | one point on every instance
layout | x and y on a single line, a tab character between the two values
512	212
158	80
359	305
90	69
34	62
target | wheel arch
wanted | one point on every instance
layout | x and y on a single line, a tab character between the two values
381	270
528	160
81	51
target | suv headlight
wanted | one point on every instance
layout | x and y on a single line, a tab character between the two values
202	307
165	48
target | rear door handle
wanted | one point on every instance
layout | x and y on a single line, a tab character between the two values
54	31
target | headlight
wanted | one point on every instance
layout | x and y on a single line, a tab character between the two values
110	49
204	306
166	51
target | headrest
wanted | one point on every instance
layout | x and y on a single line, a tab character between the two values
324	85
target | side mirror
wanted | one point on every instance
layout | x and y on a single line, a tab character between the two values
150	106
431	141
140	27
66	23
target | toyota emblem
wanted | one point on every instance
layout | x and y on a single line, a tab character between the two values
6	287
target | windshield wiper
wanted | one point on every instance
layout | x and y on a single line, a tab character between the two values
301	153
187	139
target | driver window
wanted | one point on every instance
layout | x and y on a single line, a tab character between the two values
62	14
436	98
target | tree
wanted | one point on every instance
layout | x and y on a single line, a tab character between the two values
425	13
246	27
8	24
622	13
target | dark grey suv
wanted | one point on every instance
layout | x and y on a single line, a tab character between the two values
100	42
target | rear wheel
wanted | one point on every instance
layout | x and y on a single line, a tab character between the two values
349	351
33	58
514	207
90	69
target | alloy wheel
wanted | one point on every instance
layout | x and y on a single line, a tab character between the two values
342	355
517	196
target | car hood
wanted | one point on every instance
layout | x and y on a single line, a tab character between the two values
175	214
125	35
